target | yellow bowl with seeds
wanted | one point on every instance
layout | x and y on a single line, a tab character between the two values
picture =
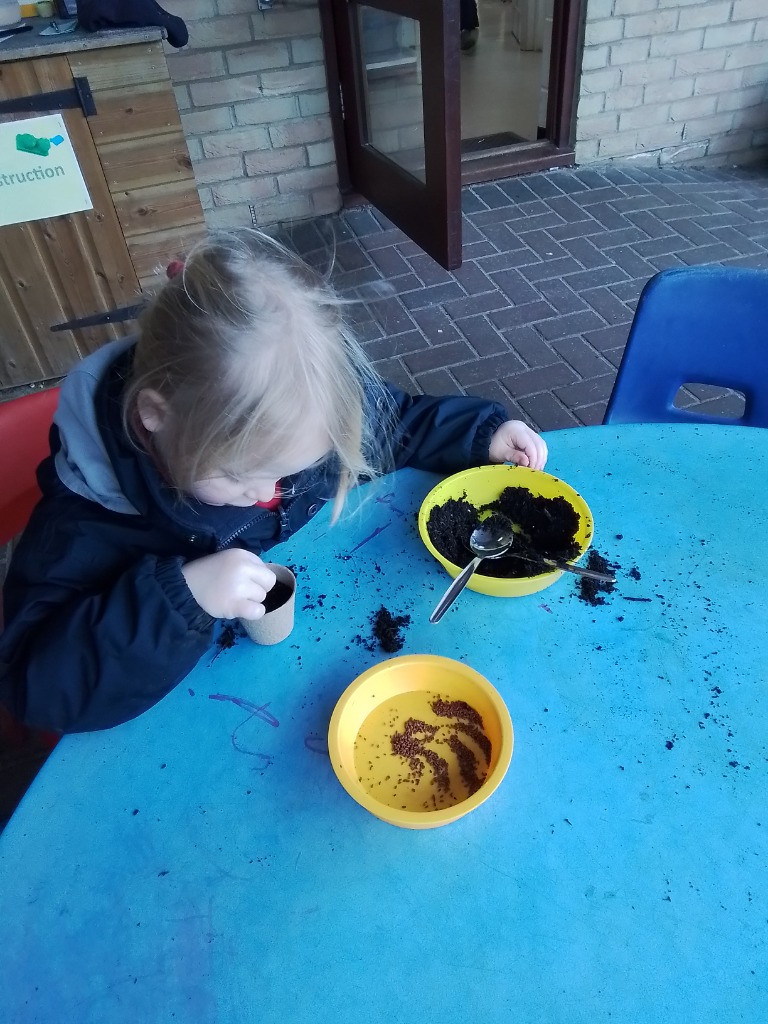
420	740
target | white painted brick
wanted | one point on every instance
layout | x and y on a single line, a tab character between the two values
659	137
244	191
744	56
607	31
751	117
231	143
621	144
311	103
186	66
307	51
624	99
744	9
222	218
199	122
283	208
677	3
221	169
266	110
683	154
706	127
191	10
206	198
276	83
705	15
728	35
755	76
235	6
225	90
293	133
308	179
697	63
696	106
731	142
644	117
594	58
630	51
677	89
600	81
195	148
742	99
677	42
648	158
597	126
648	71
717	81
760	138
591	104
321	153
219	32
761	31
326	200
585	152
286	24
650	24
181	92
634	6
259	56
597	9
271	161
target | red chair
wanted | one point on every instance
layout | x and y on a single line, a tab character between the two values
24	426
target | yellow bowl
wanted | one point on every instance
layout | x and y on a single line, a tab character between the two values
418	791
484	484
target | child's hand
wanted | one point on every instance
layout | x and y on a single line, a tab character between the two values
516	442
231	584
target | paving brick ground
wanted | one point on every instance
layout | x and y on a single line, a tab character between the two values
554	263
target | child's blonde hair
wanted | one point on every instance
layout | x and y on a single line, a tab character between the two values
243	345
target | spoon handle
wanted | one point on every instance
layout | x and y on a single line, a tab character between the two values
454	590
577	570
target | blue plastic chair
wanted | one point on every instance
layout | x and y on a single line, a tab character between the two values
698	325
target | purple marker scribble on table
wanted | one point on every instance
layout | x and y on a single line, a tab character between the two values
317	744
376	532
257	710
388	499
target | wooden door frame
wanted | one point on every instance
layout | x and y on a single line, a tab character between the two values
556	150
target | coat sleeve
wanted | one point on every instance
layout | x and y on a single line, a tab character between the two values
443	435
97	630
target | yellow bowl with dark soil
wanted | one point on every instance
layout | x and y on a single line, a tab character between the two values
420	740
484	484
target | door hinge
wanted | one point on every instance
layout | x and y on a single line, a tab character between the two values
79	95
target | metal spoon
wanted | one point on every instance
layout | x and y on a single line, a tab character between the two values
577	570
490	539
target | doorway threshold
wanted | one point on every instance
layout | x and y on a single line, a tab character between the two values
511	161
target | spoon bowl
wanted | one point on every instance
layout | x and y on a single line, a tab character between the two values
492	538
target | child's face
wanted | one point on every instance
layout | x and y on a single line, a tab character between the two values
244	489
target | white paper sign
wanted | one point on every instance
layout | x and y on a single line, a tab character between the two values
39	173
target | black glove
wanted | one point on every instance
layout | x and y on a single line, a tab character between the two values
97	14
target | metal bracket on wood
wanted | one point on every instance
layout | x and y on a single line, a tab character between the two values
62	99
112	316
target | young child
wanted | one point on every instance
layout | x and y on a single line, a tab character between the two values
179	458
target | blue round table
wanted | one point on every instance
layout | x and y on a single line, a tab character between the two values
202	864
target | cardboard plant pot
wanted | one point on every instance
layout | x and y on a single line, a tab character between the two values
280	603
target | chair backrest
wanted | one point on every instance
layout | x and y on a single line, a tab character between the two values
24	426
702	325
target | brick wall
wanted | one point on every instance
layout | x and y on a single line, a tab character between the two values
252	92
674	81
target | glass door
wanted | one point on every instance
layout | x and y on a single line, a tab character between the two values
398	67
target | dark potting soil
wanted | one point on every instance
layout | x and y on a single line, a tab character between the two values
387	629
277	596
547	526
591	591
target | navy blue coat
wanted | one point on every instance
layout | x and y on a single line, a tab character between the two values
99	621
